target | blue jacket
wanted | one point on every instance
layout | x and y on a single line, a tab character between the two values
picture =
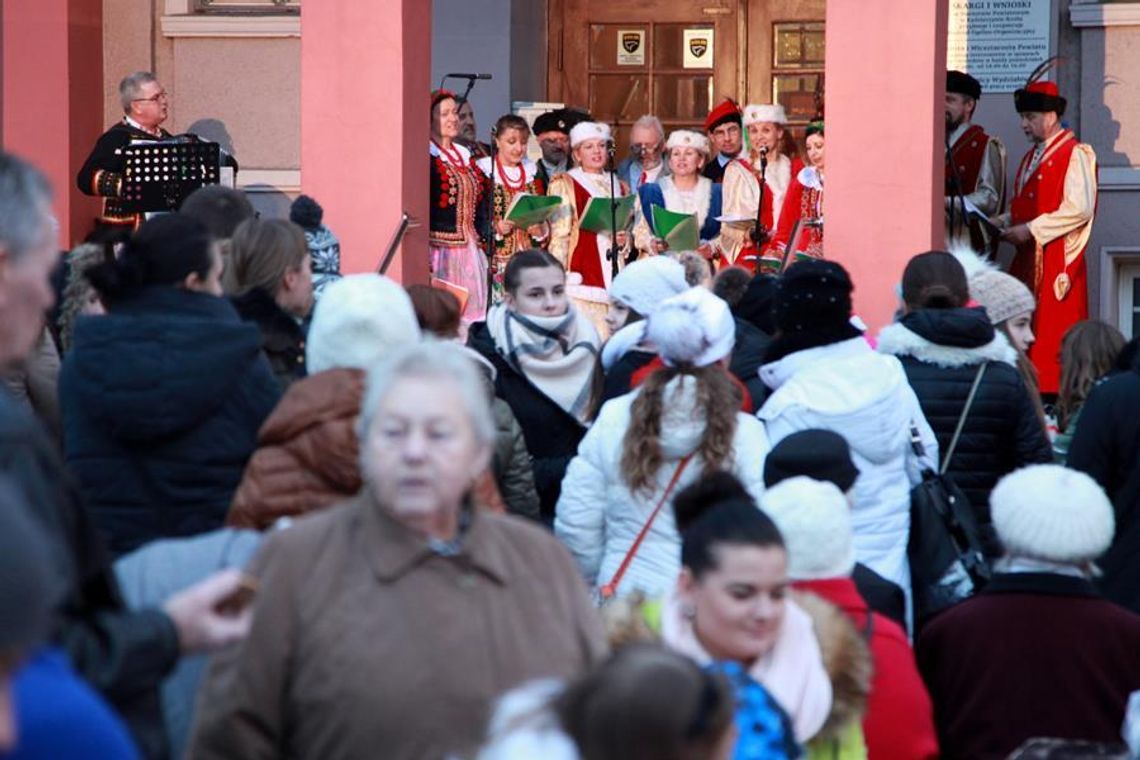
162	399
650	194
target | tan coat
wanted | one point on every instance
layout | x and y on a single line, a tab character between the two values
366	643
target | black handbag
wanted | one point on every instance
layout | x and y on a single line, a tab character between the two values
945	548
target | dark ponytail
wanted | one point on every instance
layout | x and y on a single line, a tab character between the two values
935	280
163	252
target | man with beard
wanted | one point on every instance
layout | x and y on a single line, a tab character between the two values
725	129
468	133
975	166
552	130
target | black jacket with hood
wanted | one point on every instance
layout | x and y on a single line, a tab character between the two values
162	400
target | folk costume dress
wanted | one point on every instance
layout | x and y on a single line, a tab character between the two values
102	172
457	216
804	202
583	252
979	165
508	182
704	200
742	196
1055	195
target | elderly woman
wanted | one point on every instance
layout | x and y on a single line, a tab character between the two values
684	191
388	625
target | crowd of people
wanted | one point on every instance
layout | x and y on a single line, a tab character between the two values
549	507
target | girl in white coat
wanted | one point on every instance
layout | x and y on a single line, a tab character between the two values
647	445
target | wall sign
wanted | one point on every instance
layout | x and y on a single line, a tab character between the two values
998	42
698	52
631	47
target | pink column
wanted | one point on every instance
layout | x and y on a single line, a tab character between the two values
886	65
365	80
53	96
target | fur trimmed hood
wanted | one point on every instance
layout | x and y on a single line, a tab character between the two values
847	659
952	339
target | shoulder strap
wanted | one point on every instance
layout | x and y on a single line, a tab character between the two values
609	589
962	419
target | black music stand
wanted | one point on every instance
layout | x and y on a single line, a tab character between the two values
159	175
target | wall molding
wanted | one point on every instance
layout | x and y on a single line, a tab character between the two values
206	25
269	180
1117	178
1094	15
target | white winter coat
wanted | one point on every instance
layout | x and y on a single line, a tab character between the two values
864	396
598	517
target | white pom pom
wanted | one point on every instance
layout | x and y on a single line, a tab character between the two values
676	330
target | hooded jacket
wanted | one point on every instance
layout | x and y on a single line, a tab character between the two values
162	400
599	517
941	350
848	388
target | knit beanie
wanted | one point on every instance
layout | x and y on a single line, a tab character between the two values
1002	295
815	520
306	213
1052	513
755	306
647	282
812	295
358	320
694	329
818	454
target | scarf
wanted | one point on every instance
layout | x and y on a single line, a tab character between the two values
557	354
793	672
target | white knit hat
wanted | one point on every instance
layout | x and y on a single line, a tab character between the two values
765	112
357	321
1002	295
815	520
645	283
694	328
589	130
687	138
1052	513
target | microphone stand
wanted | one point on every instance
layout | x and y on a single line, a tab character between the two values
611	149
759	234
492	242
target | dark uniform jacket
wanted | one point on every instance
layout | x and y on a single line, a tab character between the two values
102	172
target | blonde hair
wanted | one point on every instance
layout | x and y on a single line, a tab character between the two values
261	252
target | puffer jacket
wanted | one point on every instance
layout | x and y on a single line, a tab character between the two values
941	350
162	400
864	396
598	517
308	456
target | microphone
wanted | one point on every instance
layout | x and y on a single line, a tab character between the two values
469	76
763	151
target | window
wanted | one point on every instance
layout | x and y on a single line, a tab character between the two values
252	7
1128	294
797	69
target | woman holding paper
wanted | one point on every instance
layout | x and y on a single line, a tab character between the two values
457	210
804	203
684	191
514	182
578	237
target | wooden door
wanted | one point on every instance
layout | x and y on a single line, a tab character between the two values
587	37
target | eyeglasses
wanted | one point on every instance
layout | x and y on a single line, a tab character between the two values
164	95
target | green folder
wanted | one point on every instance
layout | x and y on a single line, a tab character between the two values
596	216
528	209
679	231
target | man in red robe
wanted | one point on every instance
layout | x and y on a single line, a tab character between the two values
975	166
1050	221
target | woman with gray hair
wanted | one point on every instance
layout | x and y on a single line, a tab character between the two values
391	622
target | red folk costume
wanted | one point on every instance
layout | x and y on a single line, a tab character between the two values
803	203
509	182
1055	196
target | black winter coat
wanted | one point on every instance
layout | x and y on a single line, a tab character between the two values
940	349
282	337
1106	445
747	356
619	377
552	434
122	654
162	399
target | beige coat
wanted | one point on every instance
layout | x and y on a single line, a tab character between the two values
366	643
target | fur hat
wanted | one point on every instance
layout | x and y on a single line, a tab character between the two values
645	283
694	328
1039	97
815	520
357	321
589	130
765	112
814	453
1052	513
963	84
687	138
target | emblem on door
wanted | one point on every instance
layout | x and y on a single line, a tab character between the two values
698	46
631	41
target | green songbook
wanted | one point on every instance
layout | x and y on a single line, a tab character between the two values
679	231
596	216
528	209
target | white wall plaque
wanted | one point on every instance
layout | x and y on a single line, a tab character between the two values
698	44
631	47
998	42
